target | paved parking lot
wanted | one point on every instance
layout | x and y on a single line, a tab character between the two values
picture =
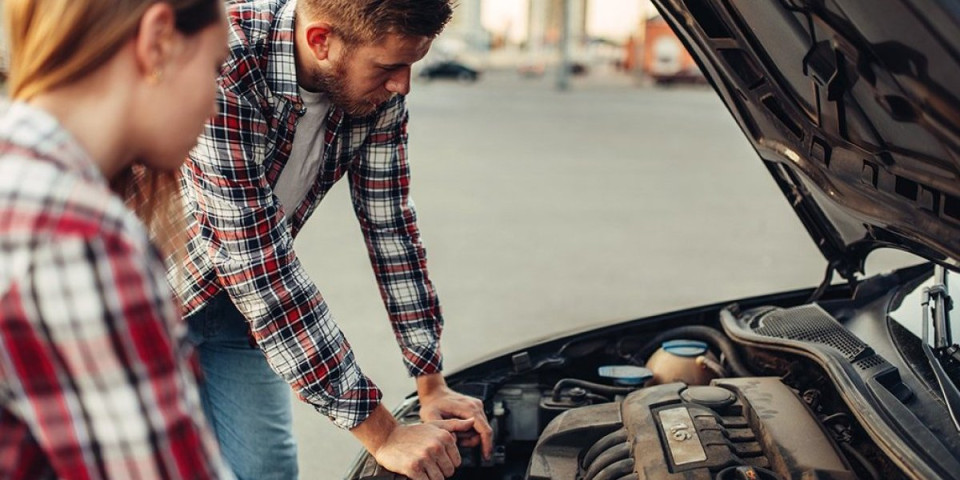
545	211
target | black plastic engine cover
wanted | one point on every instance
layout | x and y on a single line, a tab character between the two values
764	425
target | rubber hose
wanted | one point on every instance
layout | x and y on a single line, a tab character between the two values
607	458
597	387
615	471
610	440
696	332
712	365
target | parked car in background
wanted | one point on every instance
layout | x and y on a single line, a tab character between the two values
450	70
665	59
854	110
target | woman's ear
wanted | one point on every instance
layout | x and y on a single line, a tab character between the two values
155	40
319	35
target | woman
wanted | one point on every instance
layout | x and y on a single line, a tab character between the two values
108	97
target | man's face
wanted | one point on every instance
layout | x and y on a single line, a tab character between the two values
360	78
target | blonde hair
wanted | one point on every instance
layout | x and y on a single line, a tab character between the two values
154	195
56	42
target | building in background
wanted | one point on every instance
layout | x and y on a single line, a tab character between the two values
527	34
540	21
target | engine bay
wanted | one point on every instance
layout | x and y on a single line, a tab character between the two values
722	392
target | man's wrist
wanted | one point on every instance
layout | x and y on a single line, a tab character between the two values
374	431
430	384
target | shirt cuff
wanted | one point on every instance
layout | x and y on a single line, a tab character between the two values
422	359
354	406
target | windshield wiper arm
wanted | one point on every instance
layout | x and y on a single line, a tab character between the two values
937	304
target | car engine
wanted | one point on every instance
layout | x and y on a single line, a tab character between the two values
744	428
685	403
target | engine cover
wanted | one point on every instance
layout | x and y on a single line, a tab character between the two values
734	428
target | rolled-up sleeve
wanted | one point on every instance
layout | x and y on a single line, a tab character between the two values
380	189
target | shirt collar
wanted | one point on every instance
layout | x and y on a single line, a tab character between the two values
29	128
281	56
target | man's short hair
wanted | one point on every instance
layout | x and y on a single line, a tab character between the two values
363	21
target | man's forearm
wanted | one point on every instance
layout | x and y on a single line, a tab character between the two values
374	431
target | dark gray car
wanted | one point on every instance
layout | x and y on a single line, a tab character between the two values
854	109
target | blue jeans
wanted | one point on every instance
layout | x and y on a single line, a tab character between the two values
246	403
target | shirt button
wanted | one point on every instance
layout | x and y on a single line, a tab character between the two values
285	148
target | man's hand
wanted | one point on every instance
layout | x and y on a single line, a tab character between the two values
438	402
427	451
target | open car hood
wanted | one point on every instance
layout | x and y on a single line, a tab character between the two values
854	107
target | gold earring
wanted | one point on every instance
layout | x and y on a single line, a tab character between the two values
155	77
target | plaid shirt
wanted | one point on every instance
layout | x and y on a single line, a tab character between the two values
95	381
242	239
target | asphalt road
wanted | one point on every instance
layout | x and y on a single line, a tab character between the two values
545	211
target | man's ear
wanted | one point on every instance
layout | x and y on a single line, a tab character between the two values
154	42
319	36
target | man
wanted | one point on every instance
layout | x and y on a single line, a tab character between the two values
313	92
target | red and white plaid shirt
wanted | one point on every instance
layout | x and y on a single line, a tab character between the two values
242	239
96	381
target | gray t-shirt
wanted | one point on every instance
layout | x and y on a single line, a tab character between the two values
300	172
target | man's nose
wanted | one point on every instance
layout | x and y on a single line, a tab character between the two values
399	82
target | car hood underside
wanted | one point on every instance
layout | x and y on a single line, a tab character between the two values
854	108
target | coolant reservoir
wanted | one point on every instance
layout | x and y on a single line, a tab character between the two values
676	361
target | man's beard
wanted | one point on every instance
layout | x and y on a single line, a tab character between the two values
334	86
